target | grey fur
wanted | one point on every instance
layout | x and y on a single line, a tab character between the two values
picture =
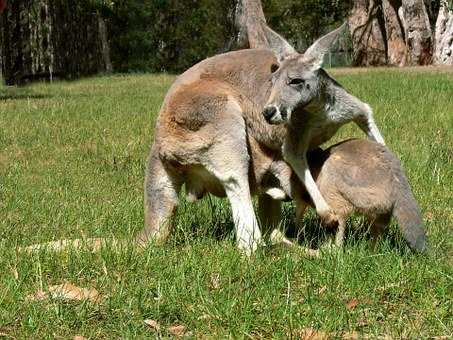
365	177
281	48
355	176
313	106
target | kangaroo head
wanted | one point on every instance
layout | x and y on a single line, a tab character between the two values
296	83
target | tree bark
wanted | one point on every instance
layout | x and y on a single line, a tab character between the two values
443	52
15	70
104	44
383	34
249	21
419	40
253	31
368	42
396	46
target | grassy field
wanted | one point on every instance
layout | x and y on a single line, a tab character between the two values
72	158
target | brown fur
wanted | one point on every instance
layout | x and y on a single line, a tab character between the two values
365	177
201	138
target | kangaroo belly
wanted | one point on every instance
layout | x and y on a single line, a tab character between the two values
199	182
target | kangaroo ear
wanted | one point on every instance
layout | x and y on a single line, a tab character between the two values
315	53
278	44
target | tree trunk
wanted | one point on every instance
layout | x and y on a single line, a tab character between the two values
443	52
16	68
252	30
368	42
419	39
249	21
49	54
396	46
104	44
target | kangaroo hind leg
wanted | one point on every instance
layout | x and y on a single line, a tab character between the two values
229	161
377	227
234	179
269	212
162	186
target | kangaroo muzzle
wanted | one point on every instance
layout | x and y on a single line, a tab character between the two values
274	115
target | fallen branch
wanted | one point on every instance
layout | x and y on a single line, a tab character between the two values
66	291
92	244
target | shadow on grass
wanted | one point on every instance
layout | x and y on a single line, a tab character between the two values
14	93
216	223
315	235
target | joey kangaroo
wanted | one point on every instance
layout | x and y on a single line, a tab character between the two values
362	176
355	175
313	107
201	138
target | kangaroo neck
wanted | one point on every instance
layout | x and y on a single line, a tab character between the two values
340	105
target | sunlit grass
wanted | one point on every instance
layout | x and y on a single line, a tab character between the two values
72	158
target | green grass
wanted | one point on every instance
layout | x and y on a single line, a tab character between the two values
72	158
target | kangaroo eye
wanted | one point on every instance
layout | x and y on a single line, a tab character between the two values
274	67
296	81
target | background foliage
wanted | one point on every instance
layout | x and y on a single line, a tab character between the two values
172	35
166	35
62	38
301	22
43	39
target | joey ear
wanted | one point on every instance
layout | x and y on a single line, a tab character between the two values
314	55
281	48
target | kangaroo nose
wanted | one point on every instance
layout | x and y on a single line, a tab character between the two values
269	112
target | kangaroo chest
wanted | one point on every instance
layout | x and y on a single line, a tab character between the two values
320	134
322	126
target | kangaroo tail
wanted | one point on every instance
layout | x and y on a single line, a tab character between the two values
407	213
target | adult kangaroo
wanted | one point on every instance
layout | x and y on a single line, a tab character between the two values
202	137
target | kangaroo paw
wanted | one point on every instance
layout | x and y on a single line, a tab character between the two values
329	218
